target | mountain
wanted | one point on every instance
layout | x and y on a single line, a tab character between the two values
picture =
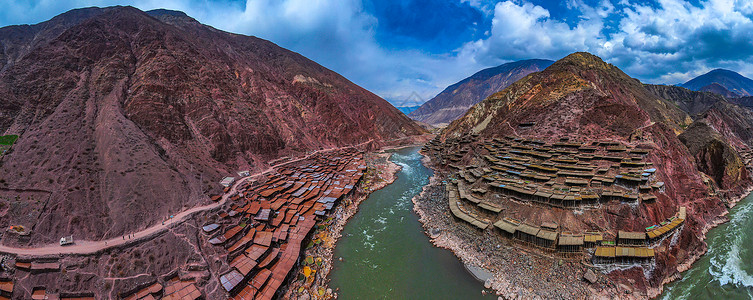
720	128
728	117
714	140
691	102
743	101
126	116
718	89
730	81
455	100
579	95
583	99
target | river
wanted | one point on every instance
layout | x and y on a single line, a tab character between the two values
726	271
386	254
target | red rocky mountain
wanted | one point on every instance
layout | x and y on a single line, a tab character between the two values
719	131
127	116
455	100
582	98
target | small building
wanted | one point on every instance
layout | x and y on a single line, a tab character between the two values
631	238
227	181
39	267
546	238
66	240
244	173
592	239
550	226
633	254
39	293
508	226
210	228
527	233
604	254
6	287
570	243
231	280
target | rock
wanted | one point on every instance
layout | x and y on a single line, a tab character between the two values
487	284
590	276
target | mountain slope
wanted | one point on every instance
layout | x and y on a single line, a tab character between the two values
718	89
579	95
127	116
743	101
714	154
455	100
719	131
691	102
729	80
733	121
582	98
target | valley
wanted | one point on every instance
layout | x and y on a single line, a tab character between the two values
145	154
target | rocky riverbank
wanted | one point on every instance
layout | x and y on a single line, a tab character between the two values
687	264
518	272
312	279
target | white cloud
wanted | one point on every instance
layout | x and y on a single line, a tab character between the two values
677	40
335	33
341	36
669	42
521	31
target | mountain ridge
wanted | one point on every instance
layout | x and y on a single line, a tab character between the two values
454	100
146	112
573	75
733	82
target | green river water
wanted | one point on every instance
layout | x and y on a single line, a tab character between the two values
386	254
726	271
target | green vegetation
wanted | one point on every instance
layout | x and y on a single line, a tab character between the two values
8	139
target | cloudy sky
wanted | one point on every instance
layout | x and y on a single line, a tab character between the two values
412	49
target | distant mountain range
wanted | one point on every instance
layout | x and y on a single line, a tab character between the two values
456	99
723	82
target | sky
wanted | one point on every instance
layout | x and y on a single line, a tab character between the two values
407	51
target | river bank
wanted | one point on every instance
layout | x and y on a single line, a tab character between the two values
385	253
688	263
724	271
518	273
382	172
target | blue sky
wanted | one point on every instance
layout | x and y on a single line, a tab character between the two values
413	49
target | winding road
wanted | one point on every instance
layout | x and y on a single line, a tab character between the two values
91	247
82	247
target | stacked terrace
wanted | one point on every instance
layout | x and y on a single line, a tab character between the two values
569	174
562	174
26	267
488	177
267	223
